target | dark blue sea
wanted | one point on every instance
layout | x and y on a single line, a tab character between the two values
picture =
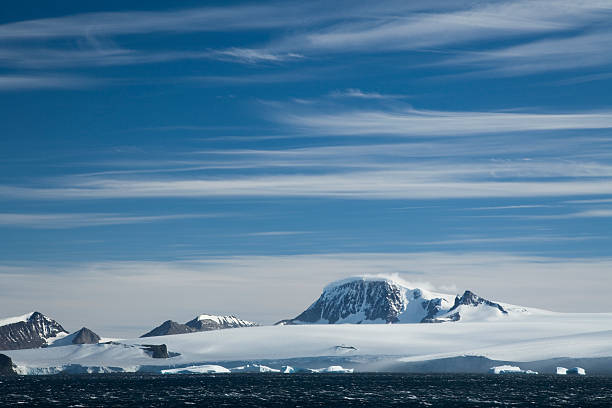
307	390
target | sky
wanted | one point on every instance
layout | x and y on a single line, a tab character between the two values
235	157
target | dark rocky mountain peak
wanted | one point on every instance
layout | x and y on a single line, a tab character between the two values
28	331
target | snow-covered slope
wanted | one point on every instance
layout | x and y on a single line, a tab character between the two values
370	347
383	300
28	331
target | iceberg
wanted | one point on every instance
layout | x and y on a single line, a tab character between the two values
334	369
508	369
199	369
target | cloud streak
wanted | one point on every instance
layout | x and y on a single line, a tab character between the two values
451	181
413	122
31	82
80	220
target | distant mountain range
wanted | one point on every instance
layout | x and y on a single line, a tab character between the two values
359	300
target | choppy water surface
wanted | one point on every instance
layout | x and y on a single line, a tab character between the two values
251	390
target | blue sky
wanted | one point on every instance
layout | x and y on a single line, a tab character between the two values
258	150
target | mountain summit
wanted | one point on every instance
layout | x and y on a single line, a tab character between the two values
383	300
28	331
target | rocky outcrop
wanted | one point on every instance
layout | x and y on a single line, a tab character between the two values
156	350
6	365
32	331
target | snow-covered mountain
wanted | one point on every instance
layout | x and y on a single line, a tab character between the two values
31	330
383	300
203	322
206	322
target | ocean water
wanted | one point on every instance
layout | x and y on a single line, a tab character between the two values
305	390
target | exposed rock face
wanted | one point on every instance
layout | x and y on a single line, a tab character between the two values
169	327
156	350
381	300
31	331
85	336
370	299
6	365
206	322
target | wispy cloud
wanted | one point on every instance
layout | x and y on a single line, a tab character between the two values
416	181
526	239
30	82
413	122
591	213
359	94
252	55
511	207
79	220
176	21
321	29
276	233
545	55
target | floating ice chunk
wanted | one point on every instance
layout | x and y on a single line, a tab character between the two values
576	371
334	369
287	370
254	368
199	369
508	369
561	371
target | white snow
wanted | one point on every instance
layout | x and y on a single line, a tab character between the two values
535	337
10	320
199	369
508	369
